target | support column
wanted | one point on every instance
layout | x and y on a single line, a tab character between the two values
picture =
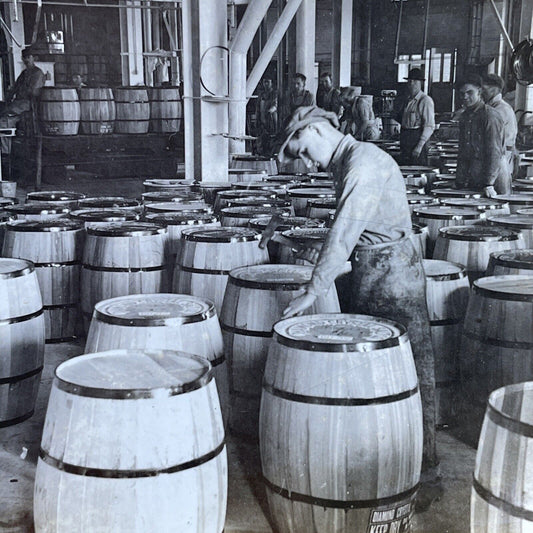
205	117
15	21
341	70
524	93
131	43
305	42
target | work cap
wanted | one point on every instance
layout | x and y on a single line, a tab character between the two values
301	118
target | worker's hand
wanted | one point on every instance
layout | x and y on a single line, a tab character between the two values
417	151
309	254
299	305
490	192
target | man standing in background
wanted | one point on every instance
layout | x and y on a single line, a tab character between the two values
327	96
298	96
267	117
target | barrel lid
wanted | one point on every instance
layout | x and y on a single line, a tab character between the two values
287	178
512	221
126	229
50	196
416	170
103	215
312	192
213	184
448	213
241	171
323	184
168	183
319	175
514	258
421	199
7	201
258	201
272	277
446	177
514	287
168	196
323	203
229	235
44	225
250	157
194	206
443	270
479	233
133	374
186	218
251	211
526	211
336	332
523	187
14	268
154	310
226	195
306	234
456	193
287	223
35	208
108	201
420	228
519	199
524	181
482	204
256	185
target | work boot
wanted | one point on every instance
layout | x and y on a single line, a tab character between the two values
429	491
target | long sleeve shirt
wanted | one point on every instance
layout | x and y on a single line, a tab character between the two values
329	100
419	112
372	207
510	126
28	84
481	147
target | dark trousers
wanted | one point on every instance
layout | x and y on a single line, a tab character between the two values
388	281
408	140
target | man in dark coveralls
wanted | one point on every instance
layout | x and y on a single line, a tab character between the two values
372	228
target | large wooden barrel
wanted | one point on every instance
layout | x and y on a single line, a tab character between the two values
501	493
490	206
154	185
55	247
165	109
21	340
326	405
241	216
208	256
421	200
320	208
256	162
120	259
60	198
260	201
456	193
178	195
497	342
37	211
185	206
161	322
420	237
419	175
239	175
4	202
511	262
471	246
223	198
210	189
59	111
258	184
132	110
447	292
300	196
113	202
254	301
525	211
97	110
302	238
102	216
133	441
521	223
517	201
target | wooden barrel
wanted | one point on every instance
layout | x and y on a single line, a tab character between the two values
55	247
59	111
37	211
224	197
301	237
254	300
185	206
490	206
153	197
300	196
114	202
517	201
320	208
241	216
416	201
419	175
521	223
97	110
153	185
165	109
456	193
132	110
257	185
120	259
161	322
289	179
511	262
501	492
4	202
526	211
60	198
210	189
207	257
322	184
96	217
239	175
497	342
260	201
471	246
256	162
21	340
420	238
519	188
447	291
439	217
325	405
167	463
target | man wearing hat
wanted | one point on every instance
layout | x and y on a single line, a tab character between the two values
417	120
481	161
372	229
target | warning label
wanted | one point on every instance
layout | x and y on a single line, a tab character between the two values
391	520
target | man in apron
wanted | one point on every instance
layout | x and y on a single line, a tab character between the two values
372	228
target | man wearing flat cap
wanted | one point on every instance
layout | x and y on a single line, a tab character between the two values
417	120
481	163
372	229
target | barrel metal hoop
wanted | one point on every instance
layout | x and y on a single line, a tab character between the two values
500	295
21	377
506	422
446	322
131	474
23	318
204	271
246	332
124	269
149	322
502	505
71	305
273	285
341	402
218	361
57	264
491	341
512	263
18	420
58	340
339	504
132	394
20	272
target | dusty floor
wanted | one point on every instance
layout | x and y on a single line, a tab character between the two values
247	509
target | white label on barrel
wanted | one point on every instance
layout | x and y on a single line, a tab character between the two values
391	520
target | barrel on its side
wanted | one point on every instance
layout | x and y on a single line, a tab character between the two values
165	109
132	110
97	110
59	111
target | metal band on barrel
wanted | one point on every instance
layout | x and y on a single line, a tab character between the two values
511	424
21	377
204	271
148	321
446	322
122	474
17	420
341	402
491	341
339	504
57	264
246	332
124	269
501	295
502	505
20	272
23	318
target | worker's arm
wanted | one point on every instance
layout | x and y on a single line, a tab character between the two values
426	108
493	148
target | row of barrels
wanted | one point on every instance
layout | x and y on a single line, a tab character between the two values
102	110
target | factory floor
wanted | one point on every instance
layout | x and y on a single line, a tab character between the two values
247	507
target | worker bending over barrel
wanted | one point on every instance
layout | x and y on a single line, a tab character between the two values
372	228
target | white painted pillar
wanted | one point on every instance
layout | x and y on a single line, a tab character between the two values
305	42
15	21
342	43
204	30
131	43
